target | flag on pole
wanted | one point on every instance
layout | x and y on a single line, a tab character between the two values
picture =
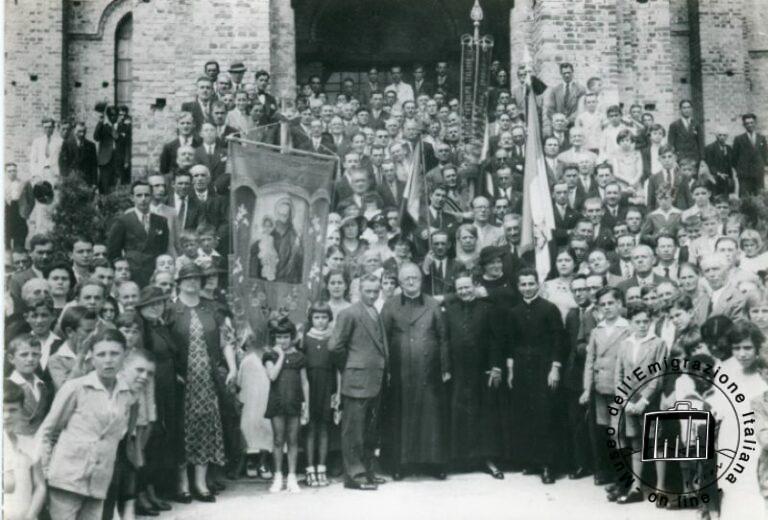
538	214
414	191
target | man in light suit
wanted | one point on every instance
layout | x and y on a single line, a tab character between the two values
159	206
563	98
750	151
139	235
44	152
360	344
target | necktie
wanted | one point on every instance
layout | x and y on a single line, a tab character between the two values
48	147
668	177
567	92
666	272
183	212
145	221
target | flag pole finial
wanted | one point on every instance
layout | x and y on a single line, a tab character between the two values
476	14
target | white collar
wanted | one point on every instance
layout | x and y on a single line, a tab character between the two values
19	380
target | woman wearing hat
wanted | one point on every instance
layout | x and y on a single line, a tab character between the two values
196	325
380	229
352	244
162	452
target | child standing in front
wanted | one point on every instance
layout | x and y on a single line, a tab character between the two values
24	354
600	370
288	398
324	382
24	487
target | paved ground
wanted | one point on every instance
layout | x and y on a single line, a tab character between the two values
469	496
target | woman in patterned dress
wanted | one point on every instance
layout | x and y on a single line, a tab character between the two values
196	328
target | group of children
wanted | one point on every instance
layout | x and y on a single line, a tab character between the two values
620	345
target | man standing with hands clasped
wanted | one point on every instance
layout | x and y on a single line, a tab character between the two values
360	345
415	401
537	342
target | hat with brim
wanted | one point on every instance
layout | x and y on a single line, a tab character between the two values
190	270
150	295
488	254
379	219
360	221
237	66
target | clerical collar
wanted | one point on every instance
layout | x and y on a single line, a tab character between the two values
415	300
528	302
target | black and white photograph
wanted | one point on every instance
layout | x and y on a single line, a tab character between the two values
433	259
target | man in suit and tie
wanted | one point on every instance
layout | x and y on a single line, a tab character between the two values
139	235
512	260
41	252
563	98
439	269
212	152
318	141
391	189
106	135
685	135
359	183
750	151
218	116
615	210
432	218
503	188
200	108
726	299
670	176
559	131
189	212
516	148
552	163
565	216
300	128
159	206
359	343
78	154
586	186
271	106
186	137
378	114
642	262
602	235
443	81
720	160
420	84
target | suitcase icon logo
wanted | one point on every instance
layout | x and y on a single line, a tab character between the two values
680	433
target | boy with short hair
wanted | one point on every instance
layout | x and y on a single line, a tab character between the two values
24	353
40	316
189	245
24	488
206	253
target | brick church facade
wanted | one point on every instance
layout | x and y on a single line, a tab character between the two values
64	56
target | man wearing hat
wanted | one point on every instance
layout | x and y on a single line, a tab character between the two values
719	158
236	72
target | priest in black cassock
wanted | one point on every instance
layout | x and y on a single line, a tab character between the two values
474	341
415	400
536	347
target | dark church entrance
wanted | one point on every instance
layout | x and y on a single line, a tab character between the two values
336	39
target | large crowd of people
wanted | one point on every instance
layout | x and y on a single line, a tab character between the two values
437	347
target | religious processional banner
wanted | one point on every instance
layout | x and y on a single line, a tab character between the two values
280	204
475	79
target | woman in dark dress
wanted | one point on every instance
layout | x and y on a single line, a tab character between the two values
196	327
476	361
162	452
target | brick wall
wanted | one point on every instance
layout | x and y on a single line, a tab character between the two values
756	19
91	28
680	50
33	72
723	62
172	40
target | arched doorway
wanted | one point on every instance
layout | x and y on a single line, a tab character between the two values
123	61
344	38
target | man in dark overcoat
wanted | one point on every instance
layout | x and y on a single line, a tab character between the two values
474	340
536	346
416	400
